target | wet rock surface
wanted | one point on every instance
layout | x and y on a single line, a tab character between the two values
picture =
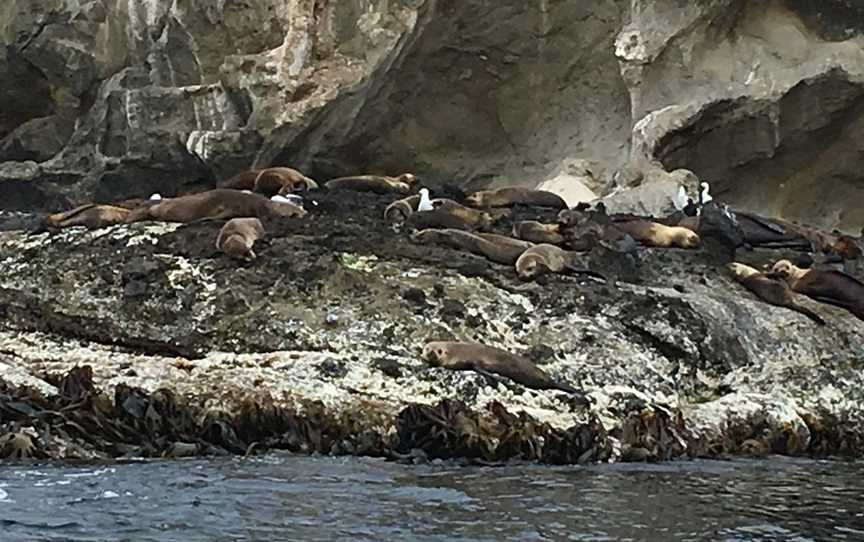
315	347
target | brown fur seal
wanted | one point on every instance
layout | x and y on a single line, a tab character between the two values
270	181
846	247
449	214
542	259
401	209
770	290
282	180
537	232
237	237
828	286
218	204
507	197
378	184
654	234
91	215
495	248
486	359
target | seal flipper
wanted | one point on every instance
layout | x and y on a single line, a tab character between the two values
587	272
808	313
567	388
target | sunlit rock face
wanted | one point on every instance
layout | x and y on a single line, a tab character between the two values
118	99
763	99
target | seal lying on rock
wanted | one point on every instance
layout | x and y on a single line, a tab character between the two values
483	359
270	181
92	215
495	248
218	204
237	237
828	286
378	184
542	259
654	234
847	247
537	232
449	214
770	290
508	197
401	209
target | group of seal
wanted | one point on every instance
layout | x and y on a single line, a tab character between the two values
532	248
243	200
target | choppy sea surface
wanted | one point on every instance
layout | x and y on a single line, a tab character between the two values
283	497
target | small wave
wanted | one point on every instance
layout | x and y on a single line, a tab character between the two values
47	526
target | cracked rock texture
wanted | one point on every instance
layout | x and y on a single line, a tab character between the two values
104	99
338	306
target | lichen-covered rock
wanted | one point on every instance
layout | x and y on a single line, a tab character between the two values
678	360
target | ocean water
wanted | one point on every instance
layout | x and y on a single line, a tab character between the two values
285	497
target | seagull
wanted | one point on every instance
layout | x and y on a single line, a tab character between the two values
156	197
425	203
288	198
680	200
704	196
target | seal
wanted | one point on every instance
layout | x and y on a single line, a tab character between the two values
449	214
770	290
237	237
544	258
217	204
508	197
847	247
462	356
378	184
828	286
495	248
401	209
270	181
537	232
282	180
654	234
92	215
759	231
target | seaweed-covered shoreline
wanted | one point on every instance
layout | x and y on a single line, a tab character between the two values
315	348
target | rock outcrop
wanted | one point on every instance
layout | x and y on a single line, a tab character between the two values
677	359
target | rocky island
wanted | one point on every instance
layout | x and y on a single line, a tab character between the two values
144	340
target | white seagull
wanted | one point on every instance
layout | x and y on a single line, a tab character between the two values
156	197
705	197
680	200
425	203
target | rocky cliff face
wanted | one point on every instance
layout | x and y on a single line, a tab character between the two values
101	99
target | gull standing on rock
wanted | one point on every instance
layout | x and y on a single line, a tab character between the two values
704	196
680	200
425	203
156	197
